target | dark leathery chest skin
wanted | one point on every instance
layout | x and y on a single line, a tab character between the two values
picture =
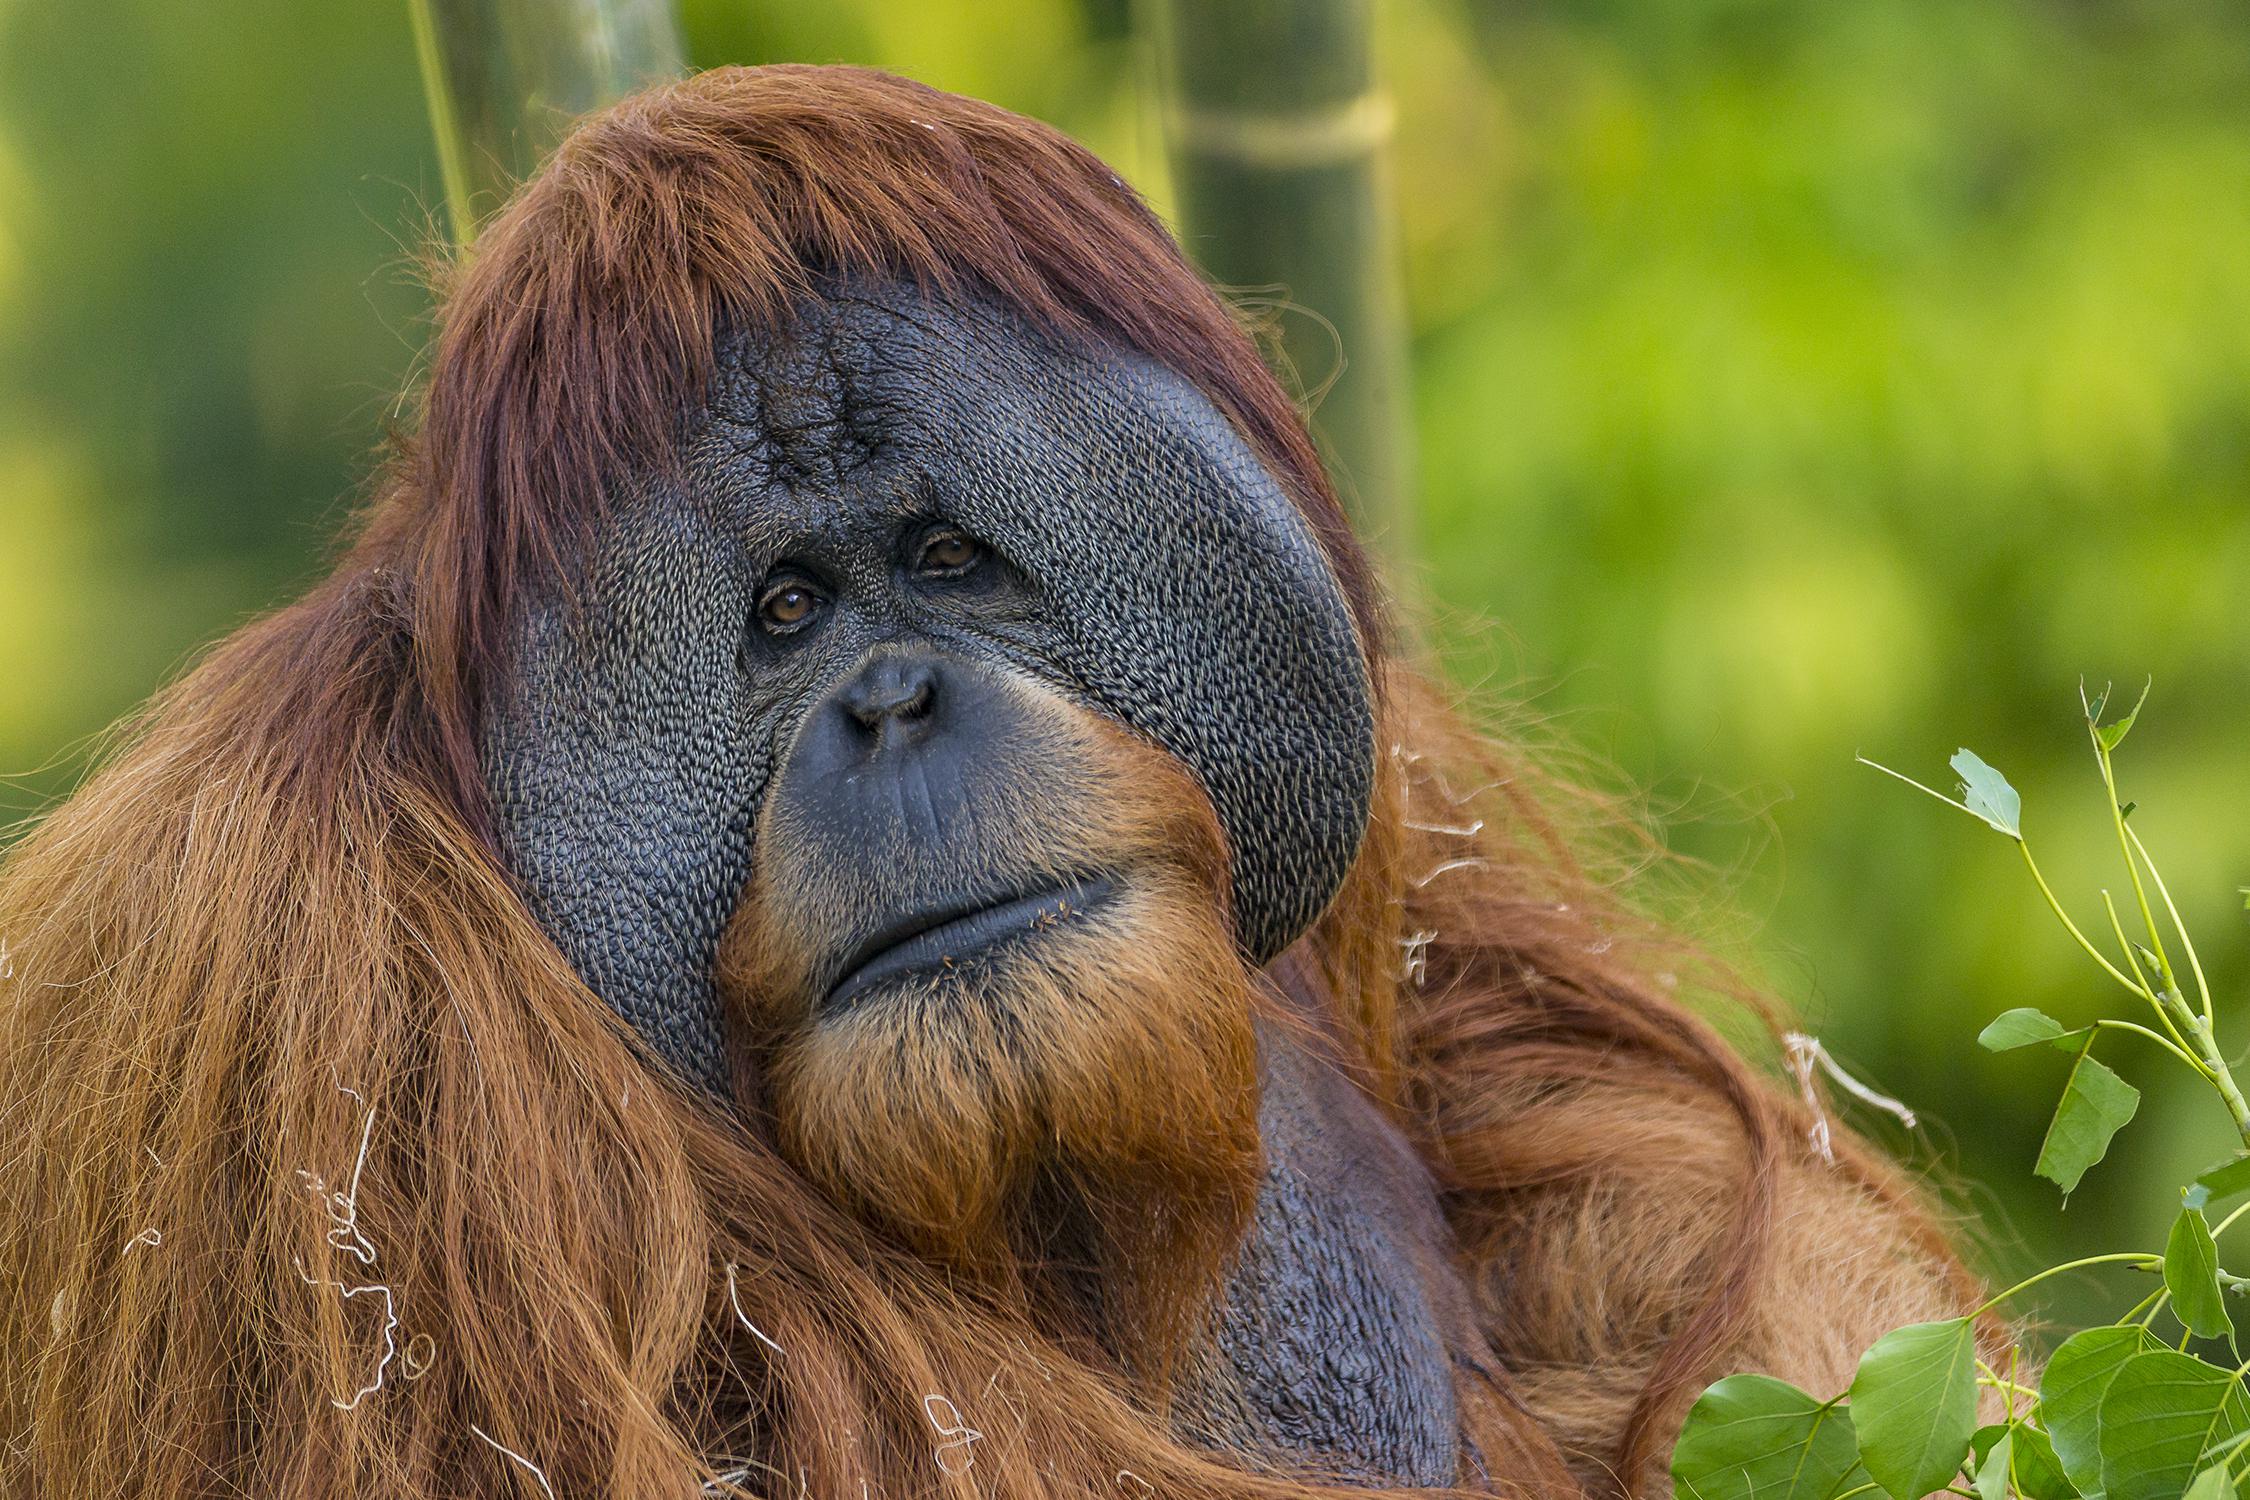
1330	1345
1164	578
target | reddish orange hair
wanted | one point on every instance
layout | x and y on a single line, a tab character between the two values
276	1031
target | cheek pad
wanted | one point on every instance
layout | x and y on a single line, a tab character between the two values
626	774
1193	601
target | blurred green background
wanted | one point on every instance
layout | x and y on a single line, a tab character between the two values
1792	378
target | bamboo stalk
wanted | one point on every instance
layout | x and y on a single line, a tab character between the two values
505	79
1278	129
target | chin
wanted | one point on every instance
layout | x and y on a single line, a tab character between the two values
1007	1086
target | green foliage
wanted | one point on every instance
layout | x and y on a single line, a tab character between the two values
2117	1415
1815	351
2220	1182
1752	1437
2164	1417
2191	1275
1914	1403
2070	1397
2022	1027
2110	736
1987	793
2095	1105
2214	1483
2017	1457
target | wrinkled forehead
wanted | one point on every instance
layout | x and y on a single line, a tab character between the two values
880	401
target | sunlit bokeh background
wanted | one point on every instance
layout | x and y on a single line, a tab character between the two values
1792	379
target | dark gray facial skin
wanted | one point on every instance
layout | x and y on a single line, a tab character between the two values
1138	560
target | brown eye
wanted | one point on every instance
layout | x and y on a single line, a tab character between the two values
786	606
947	552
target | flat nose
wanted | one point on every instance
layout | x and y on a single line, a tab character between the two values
891	698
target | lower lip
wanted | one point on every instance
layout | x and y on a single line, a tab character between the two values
971	935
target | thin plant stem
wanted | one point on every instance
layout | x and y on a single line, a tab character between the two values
2132	866
2192	1030
2072	927
2110	1023
2222	1079
2031	864
2198	1026
2195	964
2125	946
2235	1451
2146	990
2008	1388
1927	791
2137	1257
2147	1305
1994	1380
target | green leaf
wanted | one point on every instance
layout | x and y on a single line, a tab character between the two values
2191	1275
2162	1414
2110	736
2078	1375
1992	1471
1751	1437
2022	1027
2095	1105
1985	792
2222	1181
2027	1463
2214	1483
2039	1473
1914	1403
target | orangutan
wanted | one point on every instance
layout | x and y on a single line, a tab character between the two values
849	893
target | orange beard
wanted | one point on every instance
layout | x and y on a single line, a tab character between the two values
1070	1118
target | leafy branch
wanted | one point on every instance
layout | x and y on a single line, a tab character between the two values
2117	1414
2146	970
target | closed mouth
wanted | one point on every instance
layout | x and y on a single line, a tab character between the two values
938	937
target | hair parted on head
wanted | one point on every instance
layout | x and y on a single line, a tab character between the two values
424	1214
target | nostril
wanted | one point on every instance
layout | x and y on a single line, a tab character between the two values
891	690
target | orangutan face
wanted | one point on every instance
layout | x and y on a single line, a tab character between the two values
995	706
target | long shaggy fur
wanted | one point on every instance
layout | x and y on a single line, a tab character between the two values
323	1175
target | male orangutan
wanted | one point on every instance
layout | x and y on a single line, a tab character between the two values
845	896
